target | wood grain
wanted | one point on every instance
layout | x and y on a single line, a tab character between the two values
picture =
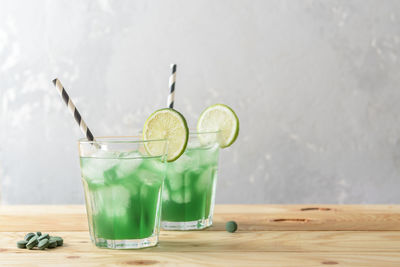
143	258
254	241
269	235
250	217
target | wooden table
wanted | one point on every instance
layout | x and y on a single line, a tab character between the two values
268	235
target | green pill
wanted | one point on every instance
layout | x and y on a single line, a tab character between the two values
45	236
44	243
231	226
59	240
22	244
38	233
28	236
32	243
52	243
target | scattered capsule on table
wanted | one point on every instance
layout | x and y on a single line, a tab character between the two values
59	240
22	244
231	226
44	243
52	243
28	236
45	236
32	243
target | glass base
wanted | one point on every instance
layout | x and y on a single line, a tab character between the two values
192	225
127	243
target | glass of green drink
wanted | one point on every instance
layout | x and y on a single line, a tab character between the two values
189	189
123	188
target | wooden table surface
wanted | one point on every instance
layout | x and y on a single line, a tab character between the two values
268	235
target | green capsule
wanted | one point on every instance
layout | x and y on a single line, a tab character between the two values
22	244
29	236
38	233
52	243
32	242
59	240
44	243
231	226
45	236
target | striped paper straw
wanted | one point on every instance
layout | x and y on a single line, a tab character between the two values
172	80
71	107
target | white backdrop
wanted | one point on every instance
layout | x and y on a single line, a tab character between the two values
315	84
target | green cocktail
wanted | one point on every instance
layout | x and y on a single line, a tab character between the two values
123	188
189	189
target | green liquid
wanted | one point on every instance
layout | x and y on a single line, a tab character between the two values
122	196
189	187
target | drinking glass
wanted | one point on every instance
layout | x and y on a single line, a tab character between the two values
189	189
123	187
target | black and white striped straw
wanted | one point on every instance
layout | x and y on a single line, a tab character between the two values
172	80
73	110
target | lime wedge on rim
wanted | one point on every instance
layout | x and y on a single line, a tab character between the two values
220	118
167	124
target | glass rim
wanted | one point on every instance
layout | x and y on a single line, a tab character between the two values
131	139
192	131
196	132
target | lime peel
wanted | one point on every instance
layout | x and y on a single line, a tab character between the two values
167	124
220	118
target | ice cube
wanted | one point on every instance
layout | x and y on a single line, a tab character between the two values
104	154
208	156
181	164
165	194
156	165
93	169
175	181
204	180
111	200
203	156
149	176
126	168
130	155
149	193
191	176
181	197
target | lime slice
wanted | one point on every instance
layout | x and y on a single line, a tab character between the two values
220	117
167	124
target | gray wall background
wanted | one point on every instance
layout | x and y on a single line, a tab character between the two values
315	84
